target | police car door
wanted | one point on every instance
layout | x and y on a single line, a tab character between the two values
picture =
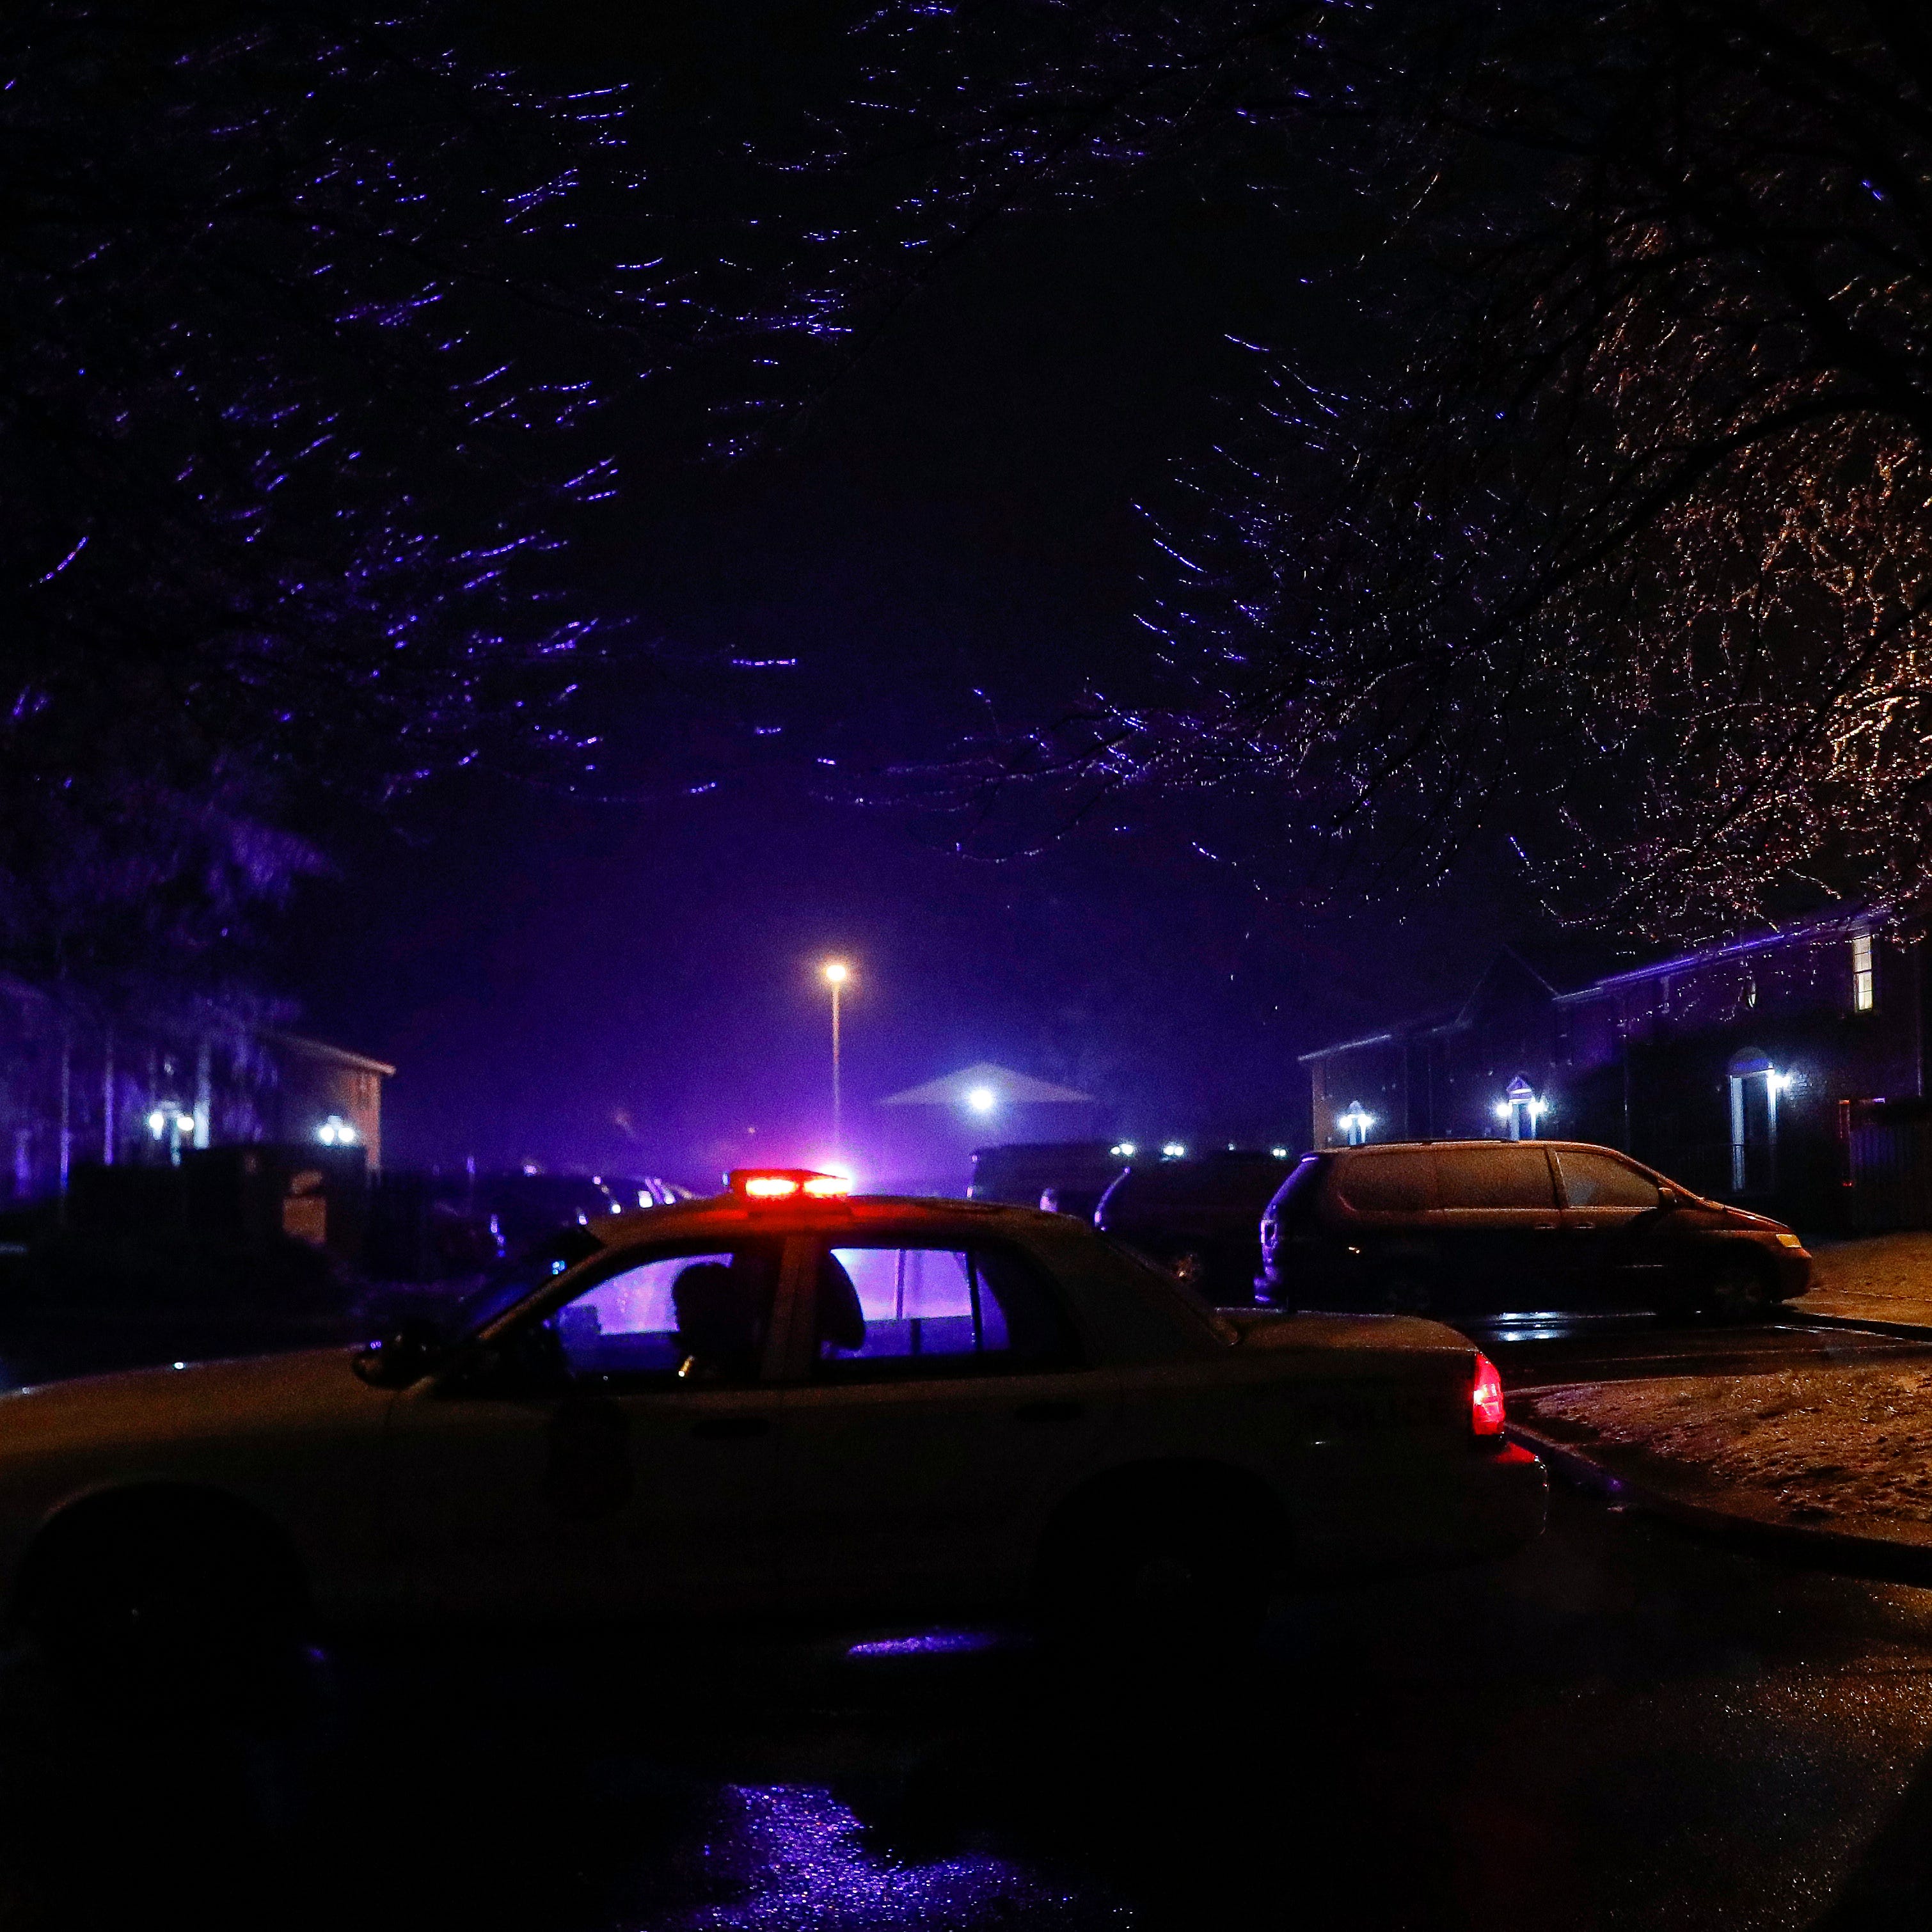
611	1454
943	1411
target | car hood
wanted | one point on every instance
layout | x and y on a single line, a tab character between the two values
261	1394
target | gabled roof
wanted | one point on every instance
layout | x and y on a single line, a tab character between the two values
320	1049
1013	1089
1572	970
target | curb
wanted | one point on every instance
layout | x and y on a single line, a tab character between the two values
1906	1331
1839	1551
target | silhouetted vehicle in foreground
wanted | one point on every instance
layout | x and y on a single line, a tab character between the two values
770	1403
1487	1227
1200	1216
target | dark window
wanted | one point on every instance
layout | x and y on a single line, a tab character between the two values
1398	1182
892	1312
1494	1176
672	1320
1600	1180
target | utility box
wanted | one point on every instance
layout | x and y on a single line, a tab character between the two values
256	1195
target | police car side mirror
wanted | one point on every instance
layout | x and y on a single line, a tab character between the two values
528	1361
405	1355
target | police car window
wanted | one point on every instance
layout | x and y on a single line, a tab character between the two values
679	1320
1387	1183
892	1313
1596	1181
1494	1176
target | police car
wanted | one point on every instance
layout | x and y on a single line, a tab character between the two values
783	1400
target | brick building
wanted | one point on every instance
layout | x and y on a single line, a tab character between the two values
1787	1069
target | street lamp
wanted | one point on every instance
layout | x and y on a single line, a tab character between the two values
835	972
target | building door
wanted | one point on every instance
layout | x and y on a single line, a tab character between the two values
1755	1085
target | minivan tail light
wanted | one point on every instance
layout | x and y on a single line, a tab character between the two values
1486	1398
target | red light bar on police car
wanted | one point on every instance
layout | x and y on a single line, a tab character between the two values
782	1183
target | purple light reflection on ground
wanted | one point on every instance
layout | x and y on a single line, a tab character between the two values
928	1643
796	1851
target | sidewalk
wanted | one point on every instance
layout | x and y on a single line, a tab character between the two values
1826	1464
1880	1278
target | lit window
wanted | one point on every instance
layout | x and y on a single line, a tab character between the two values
1861	972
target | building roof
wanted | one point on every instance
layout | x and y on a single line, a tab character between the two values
320	1049
951	1089
1565	970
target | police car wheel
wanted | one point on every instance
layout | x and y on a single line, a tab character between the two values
1155	1568
171	1618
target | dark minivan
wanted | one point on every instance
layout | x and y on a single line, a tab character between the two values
1494	1227
1197	1215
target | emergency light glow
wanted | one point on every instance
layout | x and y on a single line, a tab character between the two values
769	1186
782	1183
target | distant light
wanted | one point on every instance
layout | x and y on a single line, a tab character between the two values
336	1132
1537	1110
982	1099
158	1123
1124	1151
1280	1153
1503	1110
1354	1124
1783	1083
1173	1150
836	972
1231	1147
184	1123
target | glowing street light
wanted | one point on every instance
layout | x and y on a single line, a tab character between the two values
835	974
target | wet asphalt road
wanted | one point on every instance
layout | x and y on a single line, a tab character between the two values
1618	1727
1621	1726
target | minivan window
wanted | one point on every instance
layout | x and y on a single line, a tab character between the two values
1506	1176
1598	1180
1402	1181
1297	1194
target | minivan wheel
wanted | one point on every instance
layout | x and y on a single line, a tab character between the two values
1405	1292
1737	1292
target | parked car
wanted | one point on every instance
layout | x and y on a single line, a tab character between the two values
1076	1173
1198	1216
768	1402
1485	1227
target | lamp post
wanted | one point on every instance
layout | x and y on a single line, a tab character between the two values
835	972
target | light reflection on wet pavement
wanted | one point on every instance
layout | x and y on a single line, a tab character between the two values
799	1855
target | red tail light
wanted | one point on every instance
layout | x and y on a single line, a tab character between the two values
1486	1398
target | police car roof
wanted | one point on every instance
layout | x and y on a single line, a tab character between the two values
701	1215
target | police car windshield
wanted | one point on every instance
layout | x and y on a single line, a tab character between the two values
1197	1304
511	1282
